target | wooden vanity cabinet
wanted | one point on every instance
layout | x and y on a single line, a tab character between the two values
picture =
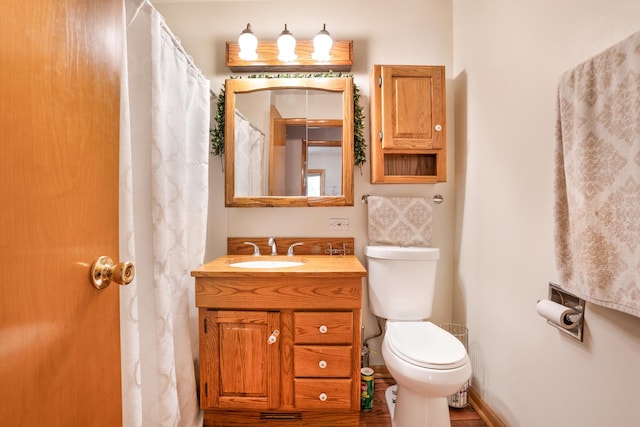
280	349
408	124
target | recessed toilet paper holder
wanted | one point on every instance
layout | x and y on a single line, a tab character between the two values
574	317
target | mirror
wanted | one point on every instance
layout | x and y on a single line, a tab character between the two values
289	142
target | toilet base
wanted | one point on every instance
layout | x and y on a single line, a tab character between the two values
390	397
416	411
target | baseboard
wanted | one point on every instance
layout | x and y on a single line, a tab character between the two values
479	406
483	410
381	371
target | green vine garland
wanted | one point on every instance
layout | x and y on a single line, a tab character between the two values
359	144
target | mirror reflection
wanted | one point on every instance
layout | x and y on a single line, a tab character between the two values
282	135
291	146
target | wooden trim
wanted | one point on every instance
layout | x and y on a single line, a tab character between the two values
311	246
483	410
341	58
381	371
343	85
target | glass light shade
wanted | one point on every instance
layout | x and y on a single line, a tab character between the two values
286	46
322	43
248	43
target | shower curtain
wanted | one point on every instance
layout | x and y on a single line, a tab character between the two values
163	208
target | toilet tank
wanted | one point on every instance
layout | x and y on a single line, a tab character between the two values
401	281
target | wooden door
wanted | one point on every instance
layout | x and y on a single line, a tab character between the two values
59	109
239	359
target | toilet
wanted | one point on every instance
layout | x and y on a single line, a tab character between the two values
427	362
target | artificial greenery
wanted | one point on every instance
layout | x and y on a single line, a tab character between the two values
217	133
359	144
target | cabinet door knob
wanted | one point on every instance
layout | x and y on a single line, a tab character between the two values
322	364
323	396
438	128
323	329
273	337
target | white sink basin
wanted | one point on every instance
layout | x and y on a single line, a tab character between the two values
266	264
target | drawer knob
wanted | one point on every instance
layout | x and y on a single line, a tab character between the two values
273	337
322	364
323	396
323	329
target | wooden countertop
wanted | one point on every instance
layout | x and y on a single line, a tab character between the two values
313	265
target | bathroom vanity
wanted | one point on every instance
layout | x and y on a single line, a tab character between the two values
280	343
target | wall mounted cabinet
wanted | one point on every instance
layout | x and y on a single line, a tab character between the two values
408	124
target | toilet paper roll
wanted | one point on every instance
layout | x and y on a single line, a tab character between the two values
556	313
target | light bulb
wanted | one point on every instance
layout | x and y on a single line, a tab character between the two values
286	46
248	43
322	43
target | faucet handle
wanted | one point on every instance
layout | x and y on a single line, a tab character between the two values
256	249
290	251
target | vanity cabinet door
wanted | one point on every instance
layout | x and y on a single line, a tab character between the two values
239	359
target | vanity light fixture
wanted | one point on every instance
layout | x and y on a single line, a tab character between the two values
322	54
286	46
322	43
248	43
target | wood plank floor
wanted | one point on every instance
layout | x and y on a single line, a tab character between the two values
379	415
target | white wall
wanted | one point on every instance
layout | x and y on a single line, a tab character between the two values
503	61
508	57
418	32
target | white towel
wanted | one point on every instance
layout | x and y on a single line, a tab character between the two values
597	206
400	221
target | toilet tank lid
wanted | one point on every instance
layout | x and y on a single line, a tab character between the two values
401	252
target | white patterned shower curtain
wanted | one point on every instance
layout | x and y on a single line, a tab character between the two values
163	208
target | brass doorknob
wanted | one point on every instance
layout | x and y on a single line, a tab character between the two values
104	271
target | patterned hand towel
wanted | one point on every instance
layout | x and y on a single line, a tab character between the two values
597	185
400	221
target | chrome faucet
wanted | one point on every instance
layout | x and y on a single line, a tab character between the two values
256	249
293	245
272	243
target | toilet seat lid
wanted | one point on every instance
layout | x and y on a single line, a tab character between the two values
425	344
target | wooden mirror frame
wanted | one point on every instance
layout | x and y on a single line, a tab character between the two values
342	85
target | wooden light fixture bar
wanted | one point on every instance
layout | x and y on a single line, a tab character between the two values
341	58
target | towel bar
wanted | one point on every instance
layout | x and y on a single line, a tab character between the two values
437	199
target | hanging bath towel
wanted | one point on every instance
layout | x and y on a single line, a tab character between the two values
597	206
400	221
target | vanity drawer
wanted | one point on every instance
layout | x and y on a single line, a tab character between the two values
323	327
322	394
322	361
